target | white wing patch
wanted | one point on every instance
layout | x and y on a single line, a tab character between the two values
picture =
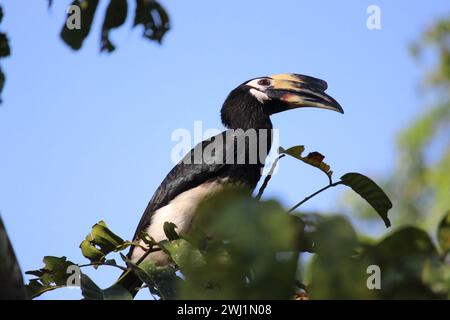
179	211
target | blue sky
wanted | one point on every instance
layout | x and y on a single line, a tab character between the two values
85	136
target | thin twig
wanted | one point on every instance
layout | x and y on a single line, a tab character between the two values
145	255
314	194
269	175
142	258
97	264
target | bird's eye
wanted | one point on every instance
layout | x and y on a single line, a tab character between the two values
264	82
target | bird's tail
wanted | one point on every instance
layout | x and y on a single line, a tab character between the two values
130	281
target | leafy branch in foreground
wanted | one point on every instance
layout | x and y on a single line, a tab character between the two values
359	183
254	253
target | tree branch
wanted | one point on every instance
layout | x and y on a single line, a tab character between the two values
269	175
314	194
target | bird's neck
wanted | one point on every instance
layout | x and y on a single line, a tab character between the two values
244	111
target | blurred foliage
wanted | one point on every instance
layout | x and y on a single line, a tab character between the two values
150	14
243	248
420	181
4	52
254	254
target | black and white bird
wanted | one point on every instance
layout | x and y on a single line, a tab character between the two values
223	159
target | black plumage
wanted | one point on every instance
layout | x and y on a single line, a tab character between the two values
231	158
240	111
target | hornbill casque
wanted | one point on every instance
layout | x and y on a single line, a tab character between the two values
249	106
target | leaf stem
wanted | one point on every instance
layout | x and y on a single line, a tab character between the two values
268	177
142	258
314	194
97	264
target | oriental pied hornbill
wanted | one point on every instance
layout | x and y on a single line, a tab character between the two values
249	106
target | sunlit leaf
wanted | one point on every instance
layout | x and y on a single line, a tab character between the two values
314	159
371	192
91	252
101	241
295	151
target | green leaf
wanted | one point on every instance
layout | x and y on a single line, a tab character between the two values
52	276
250	255
146	12
91	291
295	151
334	272
101	241
371	192
402	257
436	274
161	280
169	231
75	37
91	252
314	159
182	253
406	242
115	16
443	233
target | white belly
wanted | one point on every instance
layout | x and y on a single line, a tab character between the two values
179	211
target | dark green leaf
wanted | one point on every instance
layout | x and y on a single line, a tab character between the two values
91	291
371	192
75	37
402	257
153	17
250	255
335	272
169	231
115	16
182	253
161	280
5	50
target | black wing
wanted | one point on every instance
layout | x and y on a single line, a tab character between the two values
194	169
